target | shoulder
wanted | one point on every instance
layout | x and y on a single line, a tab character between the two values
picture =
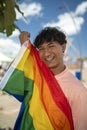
70	84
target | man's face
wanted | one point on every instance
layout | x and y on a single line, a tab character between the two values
52	54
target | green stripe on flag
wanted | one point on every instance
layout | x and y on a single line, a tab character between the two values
27	121
19	84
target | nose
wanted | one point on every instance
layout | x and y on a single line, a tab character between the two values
46	52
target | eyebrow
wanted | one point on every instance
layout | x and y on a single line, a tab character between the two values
49	43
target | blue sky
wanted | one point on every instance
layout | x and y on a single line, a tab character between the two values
68	15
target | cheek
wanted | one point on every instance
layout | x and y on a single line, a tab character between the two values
41	56
59	53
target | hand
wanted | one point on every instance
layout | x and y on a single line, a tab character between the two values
24	36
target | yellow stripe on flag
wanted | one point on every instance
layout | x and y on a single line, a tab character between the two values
26	65
40	118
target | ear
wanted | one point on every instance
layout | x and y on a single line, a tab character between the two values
64	47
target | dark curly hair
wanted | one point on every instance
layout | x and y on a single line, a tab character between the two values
50	34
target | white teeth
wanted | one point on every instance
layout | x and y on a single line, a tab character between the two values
49	58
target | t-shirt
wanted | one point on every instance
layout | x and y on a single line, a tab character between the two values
76	94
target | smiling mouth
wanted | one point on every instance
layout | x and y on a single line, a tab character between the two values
49	58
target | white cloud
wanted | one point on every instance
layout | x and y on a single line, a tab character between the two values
70	22
15	34
9	47
33	9
81	9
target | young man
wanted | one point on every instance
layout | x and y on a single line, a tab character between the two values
51	44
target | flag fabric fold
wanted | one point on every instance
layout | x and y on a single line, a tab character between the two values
44	105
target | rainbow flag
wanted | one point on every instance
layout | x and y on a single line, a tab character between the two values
44	105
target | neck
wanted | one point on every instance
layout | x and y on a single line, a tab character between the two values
58	70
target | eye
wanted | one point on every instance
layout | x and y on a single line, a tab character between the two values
40	49
51	45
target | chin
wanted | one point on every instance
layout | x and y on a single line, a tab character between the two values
50	66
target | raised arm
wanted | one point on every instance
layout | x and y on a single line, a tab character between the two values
24	36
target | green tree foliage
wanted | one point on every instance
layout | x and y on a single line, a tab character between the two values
8	16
